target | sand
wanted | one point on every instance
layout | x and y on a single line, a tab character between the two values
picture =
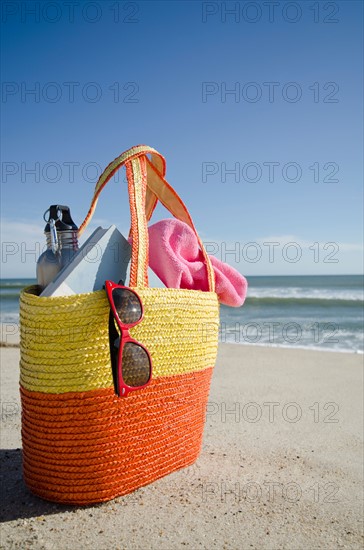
281	466
9	334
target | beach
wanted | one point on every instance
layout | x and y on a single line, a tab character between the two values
280	466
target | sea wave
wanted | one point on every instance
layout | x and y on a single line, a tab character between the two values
309	301
338	349
15	283
332	338
297	293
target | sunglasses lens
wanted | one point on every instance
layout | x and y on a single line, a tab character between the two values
136	365
128	306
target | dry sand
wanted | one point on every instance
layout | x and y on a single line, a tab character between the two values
281	466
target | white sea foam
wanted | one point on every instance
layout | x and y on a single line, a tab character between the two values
308	293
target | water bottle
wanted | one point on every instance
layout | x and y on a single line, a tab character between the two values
62	244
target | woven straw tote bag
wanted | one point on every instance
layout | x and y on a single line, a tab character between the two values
81	443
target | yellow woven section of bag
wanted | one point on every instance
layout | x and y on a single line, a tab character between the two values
65	344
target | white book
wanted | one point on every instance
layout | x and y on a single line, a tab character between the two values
105	255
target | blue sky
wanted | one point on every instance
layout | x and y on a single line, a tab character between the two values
157	73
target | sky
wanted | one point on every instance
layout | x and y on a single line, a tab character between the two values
256	106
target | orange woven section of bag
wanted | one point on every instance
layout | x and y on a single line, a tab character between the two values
88	447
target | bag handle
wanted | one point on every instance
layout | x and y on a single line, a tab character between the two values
146	185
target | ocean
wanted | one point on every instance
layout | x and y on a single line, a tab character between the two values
317	312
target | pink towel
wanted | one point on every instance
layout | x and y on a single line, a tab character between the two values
175	257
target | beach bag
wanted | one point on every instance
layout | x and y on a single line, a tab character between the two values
82	443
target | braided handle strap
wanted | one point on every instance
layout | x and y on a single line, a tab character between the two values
146	185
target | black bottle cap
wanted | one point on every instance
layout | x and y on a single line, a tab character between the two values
63	216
